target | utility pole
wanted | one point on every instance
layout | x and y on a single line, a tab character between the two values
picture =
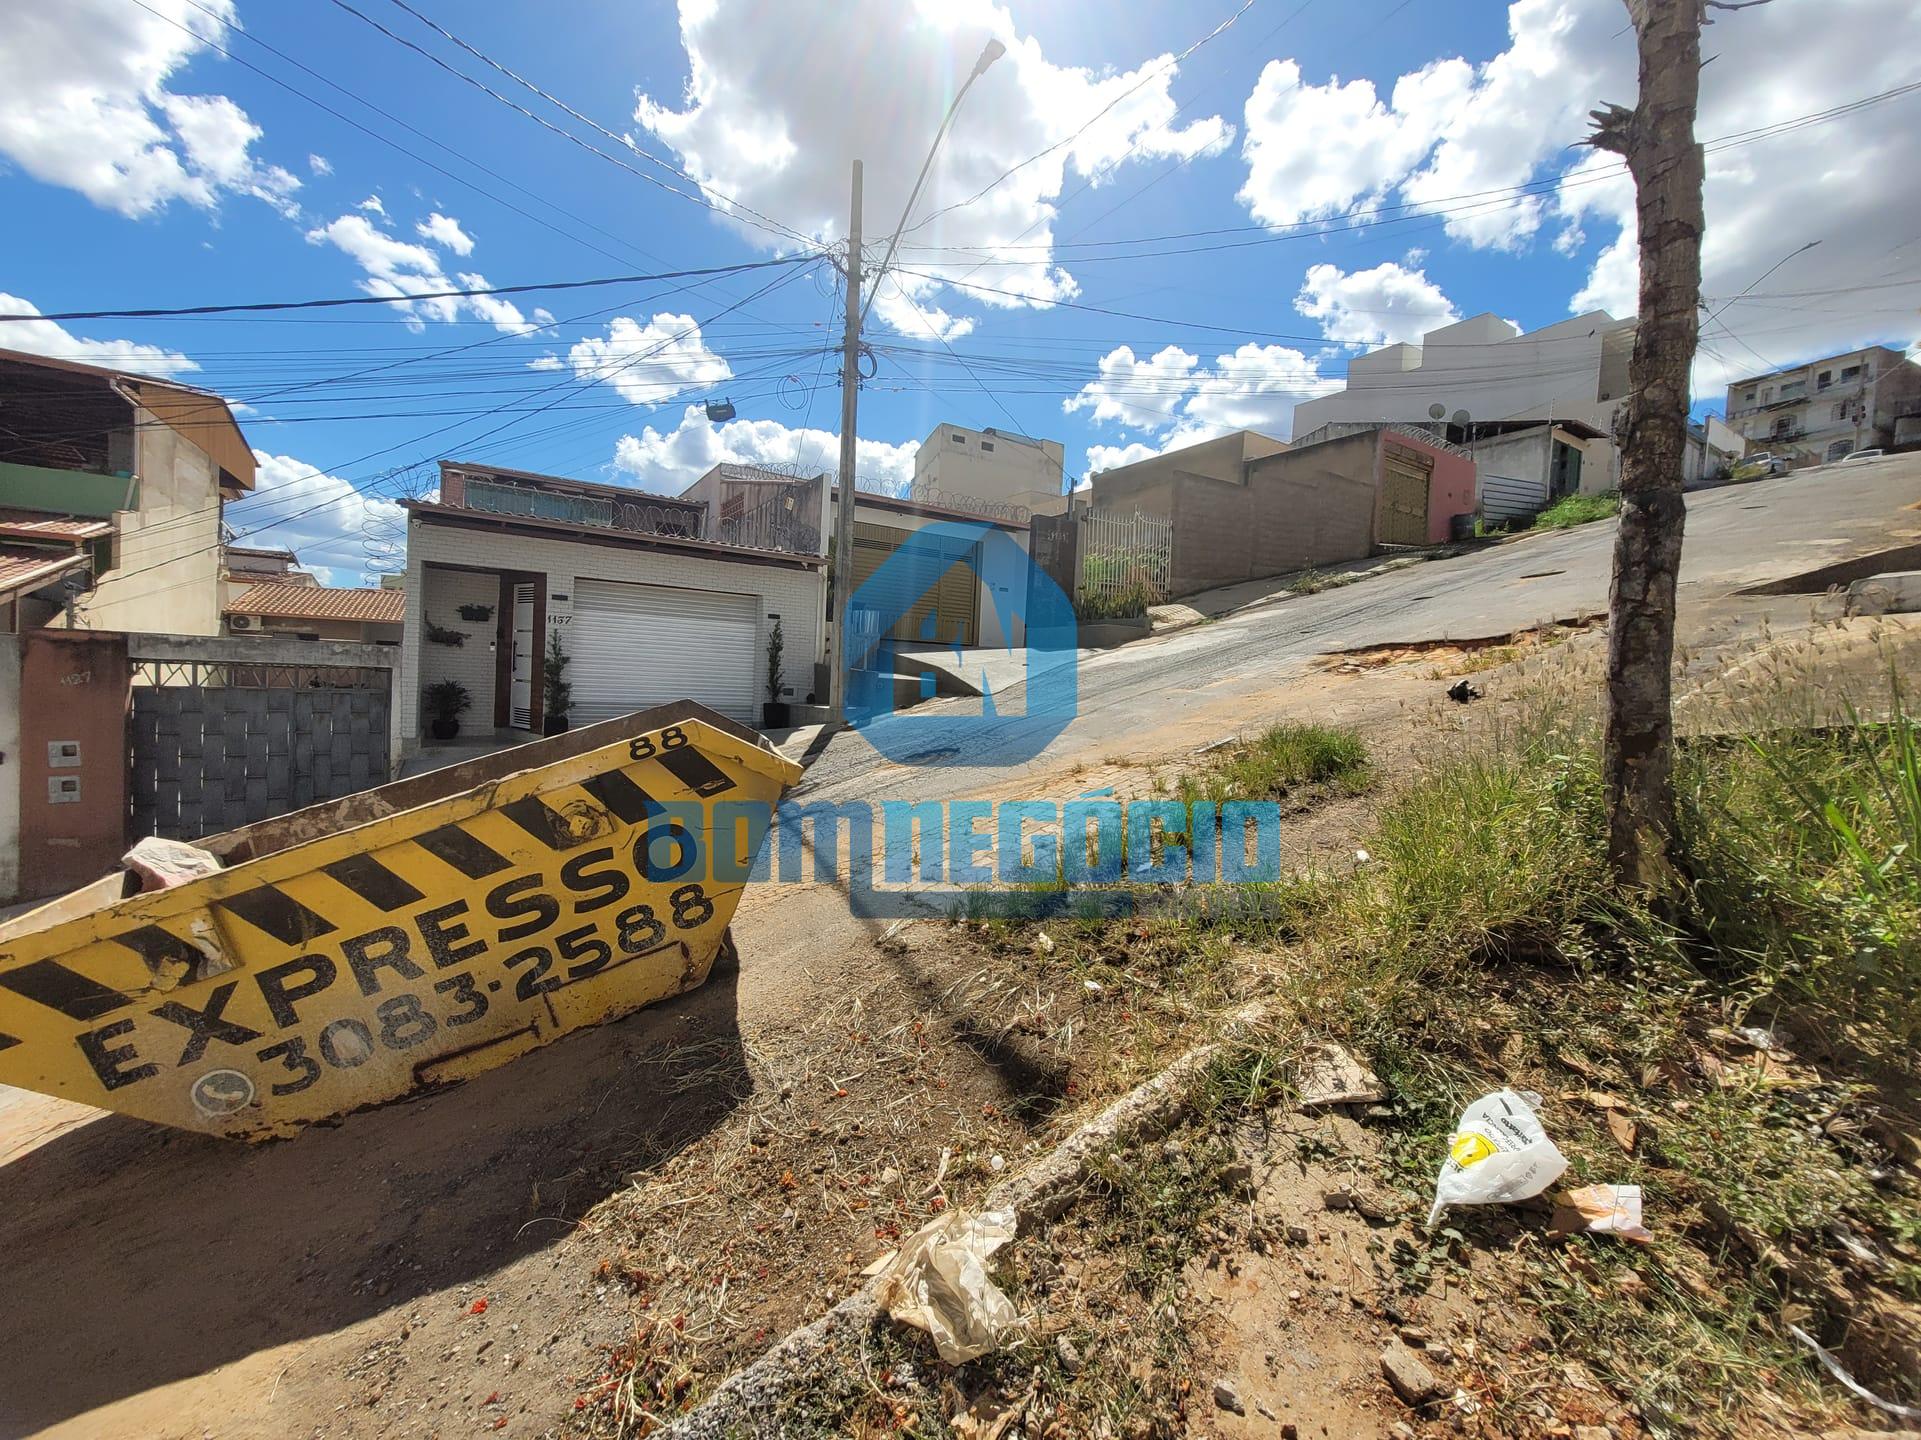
843	559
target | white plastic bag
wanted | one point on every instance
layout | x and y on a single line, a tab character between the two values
1498	1153
939	1283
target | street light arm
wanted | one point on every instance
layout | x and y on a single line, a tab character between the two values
990	52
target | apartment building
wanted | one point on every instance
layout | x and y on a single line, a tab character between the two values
1822	410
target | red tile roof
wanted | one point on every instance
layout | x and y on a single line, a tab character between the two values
27	567
320	602
38	524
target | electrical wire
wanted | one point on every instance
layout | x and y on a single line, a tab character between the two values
1089	124
768	222
469	293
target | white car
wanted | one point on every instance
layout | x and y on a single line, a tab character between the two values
1857	457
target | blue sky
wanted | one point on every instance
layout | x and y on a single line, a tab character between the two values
1315	178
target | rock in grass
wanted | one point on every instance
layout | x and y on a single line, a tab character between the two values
1411	1379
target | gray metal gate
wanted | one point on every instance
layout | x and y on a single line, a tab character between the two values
247	730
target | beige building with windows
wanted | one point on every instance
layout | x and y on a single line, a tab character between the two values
1820	411
991	472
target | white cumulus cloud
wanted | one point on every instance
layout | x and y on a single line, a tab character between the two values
86	101
445	230
777	132
1179	402
1458	139
1138	394
1382	306
333	528
670	460
320	165
1313	151
397	268
44	337
649	363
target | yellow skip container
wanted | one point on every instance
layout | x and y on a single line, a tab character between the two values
405	937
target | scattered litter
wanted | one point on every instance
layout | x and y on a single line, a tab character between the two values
1498	1154
1601	1210
1361	857
1410	1377
1905	1412
162	864
1751	1037
1331	1075
1092	987
1221	744
1461	691
1622	1129
1044	943
939	1283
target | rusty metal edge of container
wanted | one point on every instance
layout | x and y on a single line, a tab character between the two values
289	850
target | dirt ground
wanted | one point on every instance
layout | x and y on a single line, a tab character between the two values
579	1238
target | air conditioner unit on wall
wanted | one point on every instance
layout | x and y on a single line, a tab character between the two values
240	622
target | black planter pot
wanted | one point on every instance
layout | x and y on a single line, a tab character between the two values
445	729
776	715
554	725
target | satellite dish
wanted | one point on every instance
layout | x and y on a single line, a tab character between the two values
1436	410
1459	417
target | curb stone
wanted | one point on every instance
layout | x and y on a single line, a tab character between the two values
753	1401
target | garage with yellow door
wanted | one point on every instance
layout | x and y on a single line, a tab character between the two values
945	611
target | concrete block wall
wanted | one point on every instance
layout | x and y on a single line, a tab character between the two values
798	596
1314	506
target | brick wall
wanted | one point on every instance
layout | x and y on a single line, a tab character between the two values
1313	506
798	596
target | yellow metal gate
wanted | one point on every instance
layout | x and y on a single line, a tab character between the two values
1405	476
950	599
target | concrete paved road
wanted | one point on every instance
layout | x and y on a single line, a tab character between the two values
1737	536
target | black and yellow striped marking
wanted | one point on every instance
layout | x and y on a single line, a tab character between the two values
374	882
621	795
160	947
695	771
276	912
74	995
459	848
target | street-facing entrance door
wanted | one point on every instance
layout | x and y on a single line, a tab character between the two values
1405	474
521	702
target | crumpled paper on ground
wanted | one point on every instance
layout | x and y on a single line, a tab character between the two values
939	1283
1601	1210
1498	1154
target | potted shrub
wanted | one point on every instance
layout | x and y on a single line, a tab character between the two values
775	715
446	699
557	694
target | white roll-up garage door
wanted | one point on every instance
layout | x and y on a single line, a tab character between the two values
639	645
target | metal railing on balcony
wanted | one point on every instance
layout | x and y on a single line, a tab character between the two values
774	524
